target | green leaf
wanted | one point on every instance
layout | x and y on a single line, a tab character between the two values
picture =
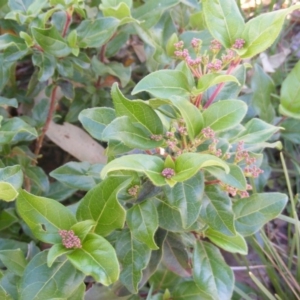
164	84
96	258
175	256
119	12
36	6
7	218
7	192
211	273
51	41
256	131
133	136
224	115
45	217
14	260
134	257
39	180
81	229
8	102
290	93
20	5
95	120
186	197
234	178
78	175
209	80
56	251
262	86
8	285
217	212
99	203
113	68
291	130
16	130
95	33
12	175
188	164
253	212
151	166
8	40
169	216
224	20
189	290
260	32
142	220
233	244
46	64
137	111
191	115
40	282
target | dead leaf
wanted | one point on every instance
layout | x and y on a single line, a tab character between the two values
77	142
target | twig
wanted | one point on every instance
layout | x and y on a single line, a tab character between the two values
47	123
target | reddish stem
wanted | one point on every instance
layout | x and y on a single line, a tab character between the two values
232	66
67	24
47	123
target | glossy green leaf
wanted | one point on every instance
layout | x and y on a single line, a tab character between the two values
16	130
151	166
51	41
235	177
40	282
290	93
189	290
186	197
217	212
262	86
56	251
169	216
256	131
233	244
8	285
209	80
253	212
211	273
164	84
21	5
142	220
95	120
44	216
7	192
224	20
96	258
14	260
12	175
9	102
224	115
137	111
38	179
188	164
134	257
95	33
7	218
78	175
120	12
36	6
99	203
261	31
191	115
291	130
81	229
175	256
46	63
59	191
133	136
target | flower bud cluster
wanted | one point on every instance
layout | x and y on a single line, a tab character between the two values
69	239
156	137
213	148
250	170
168	173
234	191
238	44
208	133
133	191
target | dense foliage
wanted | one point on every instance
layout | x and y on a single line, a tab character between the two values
185	156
